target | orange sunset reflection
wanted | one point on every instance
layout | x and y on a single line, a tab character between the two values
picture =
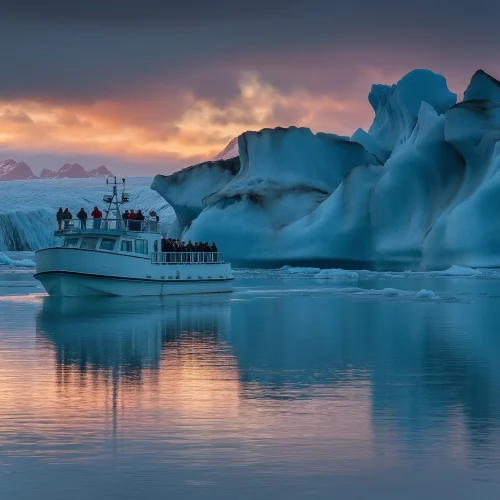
162	372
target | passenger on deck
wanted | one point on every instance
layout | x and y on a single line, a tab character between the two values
97	215
190	247
59	218
140	218
169	248
214	247
152	221
66	217
125	218
82	215
132	218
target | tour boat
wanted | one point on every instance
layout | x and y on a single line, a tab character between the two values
113	256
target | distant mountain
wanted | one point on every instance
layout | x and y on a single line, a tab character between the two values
101	171
12	170
230	151
67	171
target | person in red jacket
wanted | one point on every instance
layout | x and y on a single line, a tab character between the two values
132	217
97	215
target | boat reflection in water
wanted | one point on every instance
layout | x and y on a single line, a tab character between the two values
223	357
126	335
315	390
108	353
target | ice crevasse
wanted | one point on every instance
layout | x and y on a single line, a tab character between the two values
419	190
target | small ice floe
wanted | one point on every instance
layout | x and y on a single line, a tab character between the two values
392	293
458	271
303	270
426	294
7	261
337	275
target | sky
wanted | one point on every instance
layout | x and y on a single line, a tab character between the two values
152	86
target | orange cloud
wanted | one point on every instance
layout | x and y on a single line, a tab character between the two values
182	126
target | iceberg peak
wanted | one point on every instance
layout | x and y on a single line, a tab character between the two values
483	87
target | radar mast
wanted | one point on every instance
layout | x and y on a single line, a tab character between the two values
114	201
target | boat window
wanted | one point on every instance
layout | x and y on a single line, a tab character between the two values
89	243
141	246
71	242
107	244
126	246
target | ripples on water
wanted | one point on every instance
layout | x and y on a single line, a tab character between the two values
287	388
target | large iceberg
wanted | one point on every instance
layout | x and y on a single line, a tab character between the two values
420	189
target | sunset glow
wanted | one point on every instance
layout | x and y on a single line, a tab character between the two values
137	130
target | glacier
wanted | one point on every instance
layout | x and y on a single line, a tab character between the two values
420	190
27	211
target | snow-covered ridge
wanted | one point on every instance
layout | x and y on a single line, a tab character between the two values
75	171
419	190
12	170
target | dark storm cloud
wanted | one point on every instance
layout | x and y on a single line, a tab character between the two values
117	49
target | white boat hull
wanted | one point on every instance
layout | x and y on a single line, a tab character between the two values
75	285
71	272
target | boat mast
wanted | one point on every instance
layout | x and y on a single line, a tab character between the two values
113	201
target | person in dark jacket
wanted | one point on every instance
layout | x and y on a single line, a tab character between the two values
66	217
140	217
97	215
125	218
82	215
59	218
169	248
214	248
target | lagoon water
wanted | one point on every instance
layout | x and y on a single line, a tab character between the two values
290	387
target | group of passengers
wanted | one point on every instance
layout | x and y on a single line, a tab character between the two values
132	220
179	252
171	245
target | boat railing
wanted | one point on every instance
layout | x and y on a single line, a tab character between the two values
70	226
187	258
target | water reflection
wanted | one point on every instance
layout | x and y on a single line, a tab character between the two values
126	336
311	389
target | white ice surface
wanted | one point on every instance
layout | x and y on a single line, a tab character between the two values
27	210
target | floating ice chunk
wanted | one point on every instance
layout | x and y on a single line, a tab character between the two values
7	261
391	292
337	274
459	271
304	270
426	294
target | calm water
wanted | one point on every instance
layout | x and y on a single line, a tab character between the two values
287	388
